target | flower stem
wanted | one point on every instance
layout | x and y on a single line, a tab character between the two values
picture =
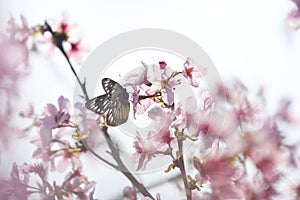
181	165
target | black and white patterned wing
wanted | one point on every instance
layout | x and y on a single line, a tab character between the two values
114	103
120	106
109	84
100	104
118	114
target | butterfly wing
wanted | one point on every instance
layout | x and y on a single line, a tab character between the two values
109	85
100	104
120	107
114	103
118	114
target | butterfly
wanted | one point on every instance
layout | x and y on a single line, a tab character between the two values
114	103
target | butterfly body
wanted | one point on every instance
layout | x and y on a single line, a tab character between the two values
115	103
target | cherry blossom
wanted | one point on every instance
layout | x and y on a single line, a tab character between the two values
138	79
87	123
54	117
76	183
17	32
16	187
13	68
28	112
146	149
143	98
130	193
293	18
218	170
243	153
65	157
62	37
162	64
191	72
77	50
168	84
163	124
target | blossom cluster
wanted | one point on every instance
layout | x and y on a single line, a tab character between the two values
58	140
249	157
241	162
14	55
55	152
155	95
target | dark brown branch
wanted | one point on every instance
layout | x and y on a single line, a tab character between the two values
121	166
180	164
58	39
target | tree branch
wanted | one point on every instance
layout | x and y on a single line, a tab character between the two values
121	166
58	39
180	164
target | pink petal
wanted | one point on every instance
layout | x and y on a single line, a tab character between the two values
63	103
50	110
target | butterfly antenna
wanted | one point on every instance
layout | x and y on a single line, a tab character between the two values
144	64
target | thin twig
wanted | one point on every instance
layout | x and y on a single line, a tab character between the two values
82	85
181	165
114	151
84	142
58	42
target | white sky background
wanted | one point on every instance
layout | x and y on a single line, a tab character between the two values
247	39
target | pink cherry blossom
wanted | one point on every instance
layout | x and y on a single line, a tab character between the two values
13	68
191	72
64	158
164	134
217	169
58	152
43	144
146	149
163	124
77	50
168	83
130	193
168	92
87	122
141	100
63	25
189	119
28	112
162	64
284	112
54	117
135	101
15	188
78	184
293	18
207	100
17	32
63	37
194	120
138	79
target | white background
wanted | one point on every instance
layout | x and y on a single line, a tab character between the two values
246	39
